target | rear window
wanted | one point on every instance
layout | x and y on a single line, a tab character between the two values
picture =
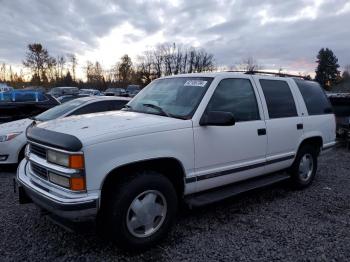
314	97
279	98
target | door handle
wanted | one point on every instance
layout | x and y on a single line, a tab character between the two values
300	126
261	131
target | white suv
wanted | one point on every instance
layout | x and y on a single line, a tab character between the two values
194	138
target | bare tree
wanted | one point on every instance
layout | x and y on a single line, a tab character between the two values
74	62
61	62
145	67
38	60
3	72
172	59
125	69
249	64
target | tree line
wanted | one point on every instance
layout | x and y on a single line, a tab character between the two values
163	60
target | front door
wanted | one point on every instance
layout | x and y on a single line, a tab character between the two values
226	154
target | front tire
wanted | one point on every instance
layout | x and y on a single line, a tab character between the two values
142	210
304	168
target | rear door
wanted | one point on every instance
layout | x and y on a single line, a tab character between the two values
283	121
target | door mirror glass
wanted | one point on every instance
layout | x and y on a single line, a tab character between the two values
217	118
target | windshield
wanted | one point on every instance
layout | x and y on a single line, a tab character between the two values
177	97
59	110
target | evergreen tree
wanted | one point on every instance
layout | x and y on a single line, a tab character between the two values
68	80
327	71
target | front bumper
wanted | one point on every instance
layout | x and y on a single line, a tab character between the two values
77	207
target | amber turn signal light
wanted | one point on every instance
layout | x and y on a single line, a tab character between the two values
77	183
76	161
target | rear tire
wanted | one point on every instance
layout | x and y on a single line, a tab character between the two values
141	212
304	168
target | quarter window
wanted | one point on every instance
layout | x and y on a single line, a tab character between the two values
237	97
279	98
315	99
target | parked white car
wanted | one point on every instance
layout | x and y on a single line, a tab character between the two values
12	134
90	92
196	138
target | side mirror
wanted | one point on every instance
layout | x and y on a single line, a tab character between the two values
217	118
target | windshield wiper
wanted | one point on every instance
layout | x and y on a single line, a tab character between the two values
33	118
161	110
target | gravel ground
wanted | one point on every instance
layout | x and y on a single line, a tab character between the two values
274	223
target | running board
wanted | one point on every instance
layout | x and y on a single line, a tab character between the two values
217	194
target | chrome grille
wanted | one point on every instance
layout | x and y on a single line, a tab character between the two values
38	150
39	171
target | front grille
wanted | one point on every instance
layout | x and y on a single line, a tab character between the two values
39	171
38	150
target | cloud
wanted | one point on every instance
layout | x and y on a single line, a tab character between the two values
285	34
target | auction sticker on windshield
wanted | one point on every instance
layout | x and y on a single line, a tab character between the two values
200	83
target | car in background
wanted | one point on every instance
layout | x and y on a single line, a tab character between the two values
133	90
19	104
341	106
115	92
12	135
66	98
35	88
91	92
63	90
5	88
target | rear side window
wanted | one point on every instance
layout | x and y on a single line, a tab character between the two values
96	107
237	97
101	106
41	97
314	97
118	104
279	98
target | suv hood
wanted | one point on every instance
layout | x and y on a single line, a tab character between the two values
100	127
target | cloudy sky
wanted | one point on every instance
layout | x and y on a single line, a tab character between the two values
278	33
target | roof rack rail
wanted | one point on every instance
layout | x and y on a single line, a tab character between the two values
267	73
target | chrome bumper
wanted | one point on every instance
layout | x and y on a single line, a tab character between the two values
75	207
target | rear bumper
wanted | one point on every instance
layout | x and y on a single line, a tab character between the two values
74	208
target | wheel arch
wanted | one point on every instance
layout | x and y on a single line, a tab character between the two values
315	140
171	167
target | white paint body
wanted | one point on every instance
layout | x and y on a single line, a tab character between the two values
113	139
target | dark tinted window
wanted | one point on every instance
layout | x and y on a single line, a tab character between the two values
93	108
42	97
279	98
235	96
100	106
314	97
25	97
118	104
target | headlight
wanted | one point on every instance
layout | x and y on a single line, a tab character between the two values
8	137
67	160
